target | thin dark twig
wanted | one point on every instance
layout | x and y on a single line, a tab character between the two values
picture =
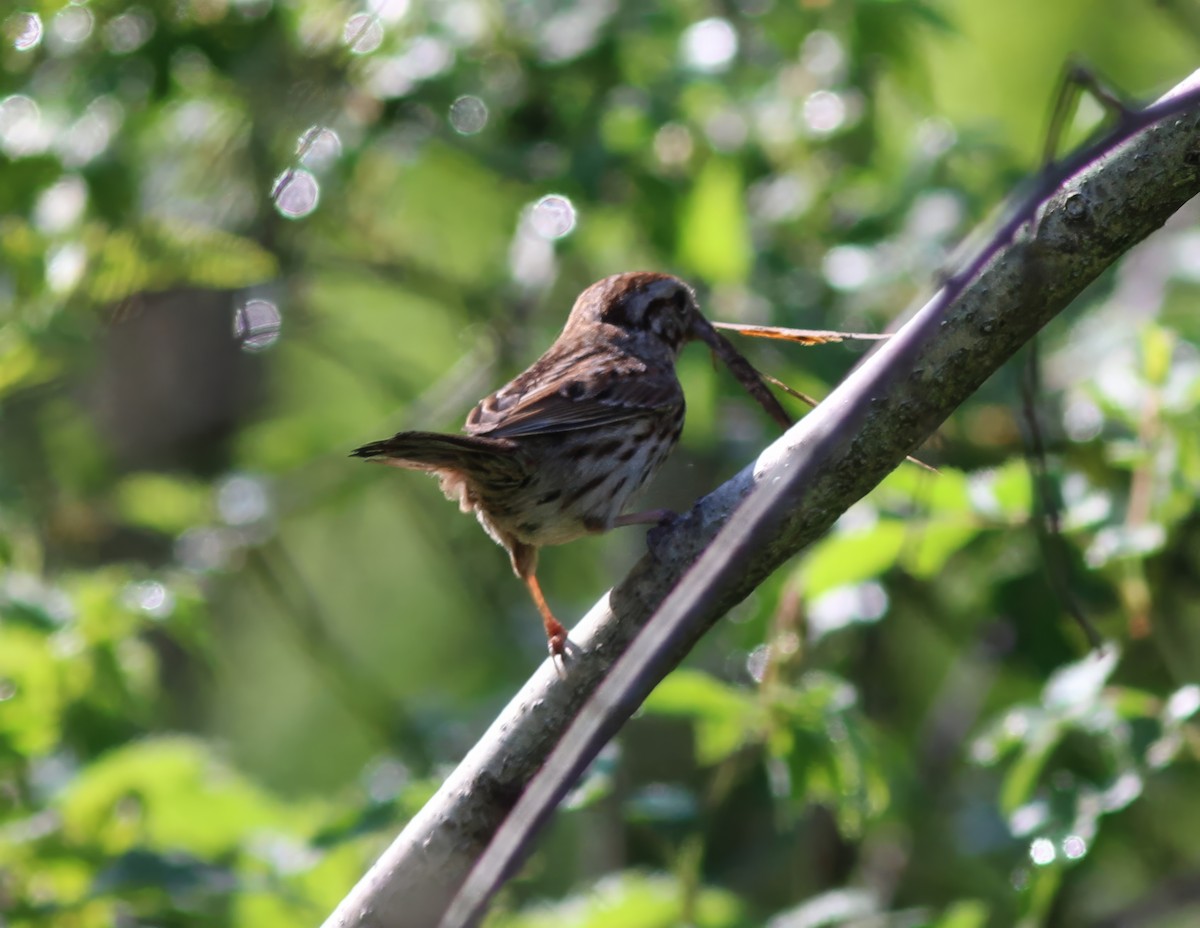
1048	505
1048	508
791	391
1076	78
805	398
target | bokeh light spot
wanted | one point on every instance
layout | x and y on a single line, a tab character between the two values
726	130
709	45
1083	420
845	605
1163	751
71	27
1124	790
60	205
427	57
848	267
150	597
572	29
252	9
243	500
1074	847
673	145
25	30
319	147
553	216
468	115
390	11
129	31
935	136
782	198
1041	851
935	215
205	549
1183	703
90	135
65	266
257	324
363	33
822	55
757	662
824	112
22	130
297	194
1028	818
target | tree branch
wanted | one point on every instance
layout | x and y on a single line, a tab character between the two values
1114	196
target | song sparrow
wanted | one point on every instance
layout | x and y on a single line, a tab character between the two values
558	452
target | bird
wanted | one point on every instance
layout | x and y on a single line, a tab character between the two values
559	451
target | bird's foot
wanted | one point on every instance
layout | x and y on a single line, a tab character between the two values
659	520
560	648
657	536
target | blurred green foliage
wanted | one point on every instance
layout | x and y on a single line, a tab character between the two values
240	237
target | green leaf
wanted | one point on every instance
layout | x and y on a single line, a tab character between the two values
968	913
369	818
1130	703
1022	777
21	364
831	755
725	717
167	794
934	543
31	712
1005	492
163	255
1158	345
714	238
853	556
629	900
167	504
946	492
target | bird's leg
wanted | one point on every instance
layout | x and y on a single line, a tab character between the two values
659	520
556	635
524	562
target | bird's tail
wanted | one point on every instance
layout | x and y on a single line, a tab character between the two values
438	451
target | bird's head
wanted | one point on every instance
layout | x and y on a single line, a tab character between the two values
644	306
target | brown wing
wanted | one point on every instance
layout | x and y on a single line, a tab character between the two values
564	393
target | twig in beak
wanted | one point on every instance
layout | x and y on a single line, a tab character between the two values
742	369
800	336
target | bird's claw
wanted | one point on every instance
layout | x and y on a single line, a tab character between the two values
560	648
